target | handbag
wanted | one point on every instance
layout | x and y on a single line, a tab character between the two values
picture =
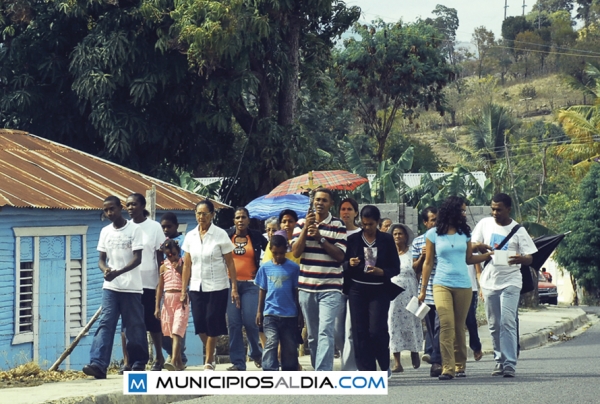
527	284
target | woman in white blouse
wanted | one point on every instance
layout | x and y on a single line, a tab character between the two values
207	261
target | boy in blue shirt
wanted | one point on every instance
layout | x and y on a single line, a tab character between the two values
278	307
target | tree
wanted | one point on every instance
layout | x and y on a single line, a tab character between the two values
487	134
446	22
529	46
551	6
579	252
582	124
257	56
392	69
88	74
483	41
513	26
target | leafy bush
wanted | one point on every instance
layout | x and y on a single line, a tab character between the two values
528	91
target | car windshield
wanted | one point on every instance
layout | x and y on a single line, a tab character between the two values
541	278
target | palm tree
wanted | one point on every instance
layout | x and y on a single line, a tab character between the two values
582	124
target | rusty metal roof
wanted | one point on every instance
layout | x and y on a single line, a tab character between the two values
38	173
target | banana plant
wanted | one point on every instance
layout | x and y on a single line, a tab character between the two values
388	184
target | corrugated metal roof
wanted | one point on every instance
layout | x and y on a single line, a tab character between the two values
38	173
414	179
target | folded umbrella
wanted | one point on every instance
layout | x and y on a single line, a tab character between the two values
546	246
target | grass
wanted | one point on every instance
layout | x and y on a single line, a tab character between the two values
552	93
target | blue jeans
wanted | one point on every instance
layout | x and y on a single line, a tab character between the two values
501	310
129	307
474	342
343	337
280	330
320	310
244	316
432	338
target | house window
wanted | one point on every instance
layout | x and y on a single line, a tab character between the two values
75	297
27	279
25	298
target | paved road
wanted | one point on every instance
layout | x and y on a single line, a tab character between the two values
564	372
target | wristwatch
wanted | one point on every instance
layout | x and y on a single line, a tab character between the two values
322	240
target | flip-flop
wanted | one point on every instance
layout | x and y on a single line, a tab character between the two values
208	366
169	366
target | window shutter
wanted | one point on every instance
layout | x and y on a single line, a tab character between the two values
75	297
25	297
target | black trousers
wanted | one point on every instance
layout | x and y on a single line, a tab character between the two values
369	306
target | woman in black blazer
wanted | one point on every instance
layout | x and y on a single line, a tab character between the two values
371	261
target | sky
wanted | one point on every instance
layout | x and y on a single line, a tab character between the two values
471	13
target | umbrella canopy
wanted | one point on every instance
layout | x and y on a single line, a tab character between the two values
263	208
546	246
336	180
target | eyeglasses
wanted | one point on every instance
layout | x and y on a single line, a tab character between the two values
203	213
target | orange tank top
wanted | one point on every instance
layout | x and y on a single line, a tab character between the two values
243	257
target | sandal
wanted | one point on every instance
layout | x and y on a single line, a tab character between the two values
169	366
208	366
398	369
416	361
156	367
478	355
258	363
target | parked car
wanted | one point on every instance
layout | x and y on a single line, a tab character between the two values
547	291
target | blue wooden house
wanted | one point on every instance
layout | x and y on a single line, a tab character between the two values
50	219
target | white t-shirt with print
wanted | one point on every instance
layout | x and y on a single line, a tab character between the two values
489	232
119	245
152	239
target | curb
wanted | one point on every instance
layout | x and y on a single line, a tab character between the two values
539	338
117	398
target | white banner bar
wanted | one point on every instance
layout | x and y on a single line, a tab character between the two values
256	383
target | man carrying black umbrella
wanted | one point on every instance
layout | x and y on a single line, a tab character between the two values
501	279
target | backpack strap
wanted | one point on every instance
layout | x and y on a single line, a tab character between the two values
503	243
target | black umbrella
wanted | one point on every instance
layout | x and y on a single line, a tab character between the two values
546	246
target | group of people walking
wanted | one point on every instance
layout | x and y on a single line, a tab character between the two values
345	278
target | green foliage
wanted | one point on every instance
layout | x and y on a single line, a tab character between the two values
87	74
392	69
579	253
513	26
528	91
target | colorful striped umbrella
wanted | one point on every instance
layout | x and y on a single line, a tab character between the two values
336	180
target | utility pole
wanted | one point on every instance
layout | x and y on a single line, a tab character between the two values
524	5
505	7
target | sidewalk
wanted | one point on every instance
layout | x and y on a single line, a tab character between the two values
535	326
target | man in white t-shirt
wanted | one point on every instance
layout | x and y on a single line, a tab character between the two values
120	246
501	284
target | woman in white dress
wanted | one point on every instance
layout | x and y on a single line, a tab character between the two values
406	332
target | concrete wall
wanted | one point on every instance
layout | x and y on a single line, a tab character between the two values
400	213
51	288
